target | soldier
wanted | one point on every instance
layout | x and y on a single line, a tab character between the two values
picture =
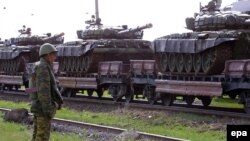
46	98
211	6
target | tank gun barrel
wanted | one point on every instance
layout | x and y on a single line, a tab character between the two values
52	37
139	28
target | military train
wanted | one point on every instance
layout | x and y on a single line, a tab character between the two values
212	60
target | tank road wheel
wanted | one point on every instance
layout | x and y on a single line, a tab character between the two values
72	63
208	59
61	65
172	61
167	99
64	62
78	64
15	65
206	100
82	64
197	63
189	100
179	63
0	65
87	62
20	64
10	66
163	62
68	66
188	63
3	65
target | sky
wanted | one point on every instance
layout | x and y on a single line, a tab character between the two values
68	16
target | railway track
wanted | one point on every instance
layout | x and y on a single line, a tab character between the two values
83	100
107	129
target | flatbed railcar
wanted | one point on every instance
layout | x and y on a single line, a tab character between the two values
141	79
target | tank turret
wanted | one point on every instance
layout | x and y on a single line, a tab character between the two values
25	38
95	30
53	39
136	33
102	43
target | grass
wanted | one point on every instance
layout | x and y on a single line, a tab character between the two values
225	101
12	131
174	125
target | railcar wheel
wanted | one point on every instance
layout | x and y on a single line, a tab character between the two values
206	101
99	92
82	64
148	92
247	107
189	100
232	96
16	88
69	93
163	62
117	92
167	99
179	63
129	96
197	63
90	93
245	98
172	61
208	59
188	63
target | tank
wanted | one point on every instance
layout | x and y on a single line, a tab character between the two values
15	52
216	36
98	43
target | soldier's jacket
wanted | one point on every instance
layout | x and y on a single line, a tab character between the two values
46	97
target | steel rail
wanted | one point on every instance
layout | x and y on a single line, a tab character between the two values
109	129
195	109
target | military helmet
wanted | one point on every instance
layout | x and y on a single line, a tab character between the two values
46	49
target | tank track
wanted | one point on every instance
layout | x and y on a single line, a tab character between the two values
12	66
88	63
223	53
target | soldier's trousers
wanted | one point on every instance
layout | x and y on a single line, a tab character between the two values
41	131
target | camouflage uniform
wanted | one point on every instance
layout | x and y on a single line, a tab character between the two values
44	100
211	6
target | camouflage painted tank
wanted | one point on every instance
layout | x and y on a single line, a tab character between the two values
217	36
98	43
14	53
